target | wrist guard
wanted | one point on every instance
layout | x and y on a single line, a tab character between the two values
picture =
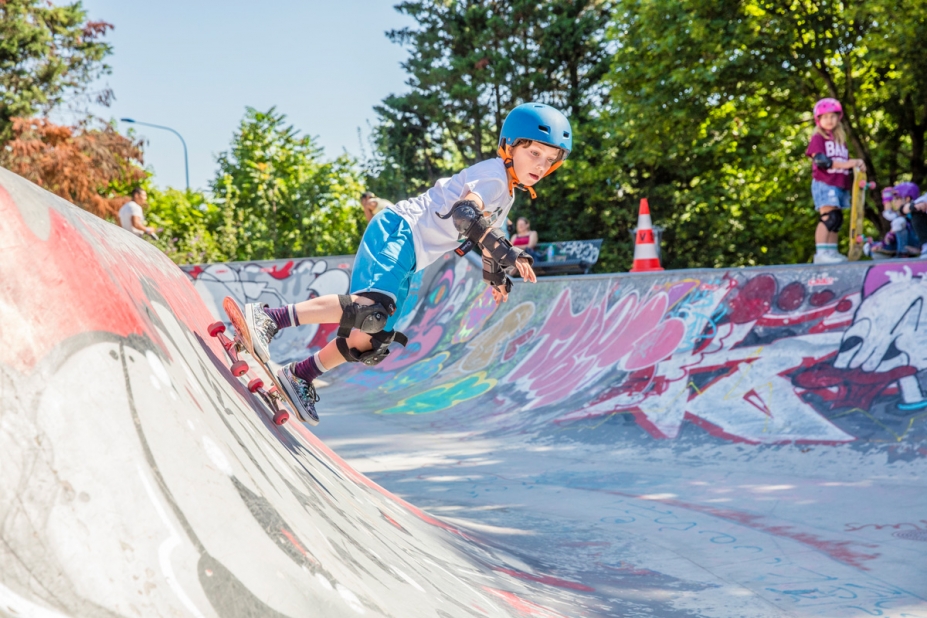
495	276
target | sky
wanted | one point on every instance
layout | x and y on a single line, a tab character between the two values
194	65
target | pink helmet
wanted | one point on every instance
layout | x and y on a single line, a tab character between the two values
827	106
907	189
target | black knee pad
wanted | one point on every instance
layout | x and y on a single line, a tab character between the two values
832	220
375	356
367	318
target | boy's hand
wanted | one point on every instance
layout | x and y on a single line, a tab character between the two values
525	270
499	295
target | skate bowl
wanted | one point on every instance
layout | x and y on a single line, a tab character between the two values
139	478
701	443
743	442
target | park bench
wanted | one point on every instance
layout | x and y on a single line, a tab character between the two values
568	257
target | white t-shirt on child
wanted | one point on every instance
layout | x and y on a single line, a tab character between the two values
128	210
433	236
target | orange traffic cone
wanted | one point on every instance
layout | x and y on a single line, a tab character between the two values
645	250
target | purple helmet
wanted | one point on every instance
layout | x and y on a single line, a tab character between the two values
888	194
907	189
827	106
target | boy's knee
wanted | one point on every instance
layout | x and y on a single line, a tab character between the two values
360	340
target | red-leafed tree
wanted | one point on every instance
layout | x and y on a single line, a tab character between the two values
92	167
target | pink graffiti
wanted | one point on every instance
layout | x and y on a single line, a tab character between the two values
426	334
574	349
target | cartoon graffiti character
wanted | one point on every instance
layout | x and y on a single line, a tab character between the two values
889	331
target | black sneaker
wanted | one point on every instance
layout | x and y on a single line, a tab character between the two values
301	393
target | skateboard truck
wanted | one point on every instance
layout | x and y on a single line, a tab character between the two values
239	368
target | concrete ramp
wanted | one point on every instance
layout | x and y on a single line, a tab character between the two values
140	479
744	442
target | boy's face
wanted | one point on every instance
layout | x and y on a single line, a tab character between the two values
828	121
532	161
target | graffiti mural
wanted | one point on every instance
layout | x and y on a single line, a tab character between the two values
792	355
276	283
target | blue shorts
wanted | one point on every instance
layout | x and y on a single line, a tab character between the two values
385	260
829	195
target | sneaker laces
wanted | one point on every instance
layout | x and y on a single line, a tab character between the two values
307	390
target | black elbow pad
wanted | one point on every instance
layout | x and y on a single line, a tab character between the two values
823	161
472	225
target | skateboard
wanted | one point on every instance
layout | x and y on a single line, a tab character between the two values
274	396
857	213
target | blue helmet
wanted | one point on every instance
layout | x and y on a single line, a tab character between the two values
539	123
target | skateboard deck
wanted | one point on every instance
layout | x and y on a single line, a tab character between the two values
275	397
857	214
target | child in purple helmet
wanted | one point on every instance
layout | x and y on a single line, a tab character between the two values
831	178
910	205
900	241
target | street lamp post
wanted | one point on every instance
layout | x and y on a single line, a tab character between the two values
186	163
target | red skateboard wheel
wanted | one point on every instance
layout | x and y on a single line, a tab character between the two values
239	368
281	417
255	384
215	328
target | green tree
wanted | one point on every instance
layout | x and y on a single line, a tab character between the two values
711	105
47	54
192	227
280	198
470	62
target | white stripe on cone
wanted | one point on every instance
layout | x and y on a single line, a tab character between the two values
645	250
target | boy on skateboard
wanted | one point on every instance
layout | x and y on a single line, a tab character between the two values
459	213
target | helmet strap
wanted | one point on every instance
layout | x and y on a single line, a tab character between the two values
505	152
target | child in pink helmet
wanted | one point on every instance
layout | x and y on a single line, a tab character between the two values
831	178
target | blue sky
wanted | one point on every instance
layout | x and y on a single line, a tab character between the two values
194	65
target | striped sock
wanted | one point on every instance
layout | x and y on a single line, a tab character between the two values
283	317
309	369
825	247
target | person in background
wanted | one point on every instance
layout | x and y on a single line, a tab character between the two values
910	204
373	204
132	216
897	241
525	238
831	178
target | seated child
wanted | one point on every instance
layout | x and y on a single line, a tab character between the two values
900	241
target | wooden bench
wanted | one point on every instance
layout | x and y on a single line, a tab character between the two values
570	257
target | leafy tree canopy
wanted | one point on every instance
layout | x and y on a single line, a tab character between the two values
704	107
281	198
47	53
